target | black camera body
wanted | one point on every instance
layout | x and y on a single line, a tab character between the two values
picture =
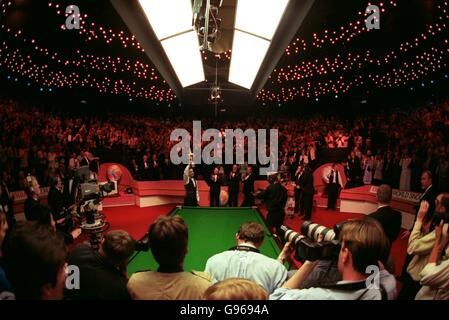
315	242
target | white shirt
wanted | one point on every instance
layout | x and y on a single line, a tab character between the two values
435	281
265	271
387	280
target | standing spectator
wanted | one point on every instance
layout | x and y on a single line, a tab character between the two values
215	181
308	192
275	199
333	181
405	179
367	166
378	170
248	188
234	186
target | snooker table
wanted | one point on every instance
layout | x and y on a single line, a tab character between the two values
211	231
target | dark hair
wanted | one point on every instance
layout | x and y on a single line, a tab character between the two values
168	240
429	174
367	242
118	246
384	193
33	256
251	232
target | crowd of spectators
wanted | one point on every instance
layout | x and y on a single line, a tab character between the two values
387	148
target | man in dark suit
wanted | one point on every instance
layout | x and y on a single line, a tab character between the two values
298	174
333	187
233	186
308	191
248	188
275	199
390	219
214	183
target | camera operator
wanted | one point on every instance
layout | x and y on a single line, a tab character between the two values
435	275
168	238
363	245
275	199
58	205
104	271
245	261
420	246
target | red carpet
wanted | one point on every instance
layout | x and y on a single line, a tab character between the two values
136	221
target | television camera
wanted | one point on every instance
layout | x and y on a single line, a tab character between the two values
315	242
206	21
88	197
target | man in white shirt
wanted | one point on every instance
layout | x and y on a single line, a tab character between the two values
245	261
363	246
192	197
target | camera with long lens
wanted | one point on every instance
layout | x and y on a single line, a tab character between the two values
315	242
89	194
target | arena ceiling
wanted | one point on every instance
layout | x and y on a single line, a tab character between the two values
329	54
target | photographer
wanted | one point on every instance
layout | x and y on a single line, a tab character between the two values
363	245
245	261
104	271
420	245
435	275
168	237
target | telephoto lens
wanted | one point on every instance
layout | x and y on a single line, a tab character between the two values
291	236
314	230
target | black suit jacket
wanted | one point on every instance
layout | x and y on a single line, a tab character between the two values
391	221
100	280
306	182
248	184
274	197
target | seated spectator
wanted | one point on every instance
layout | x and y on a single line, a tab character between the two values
435	275
35	265
236	289
168	238
104	271
245	261
363	245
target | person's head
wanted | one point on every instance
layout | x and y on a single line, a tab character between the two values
442	203
216	170
191	173
334	165
168	241
426	180
235	168
32	187
363	244
235	289
249	170
117	246
34	259
384	194
250	232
